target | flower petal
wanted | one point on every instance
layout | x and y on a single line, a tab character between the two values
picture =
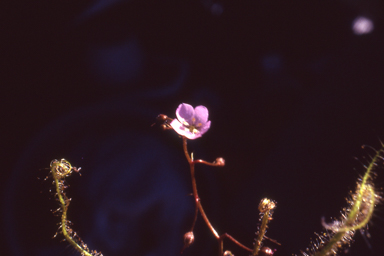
185	113
192	136
184	131
205	128
201	116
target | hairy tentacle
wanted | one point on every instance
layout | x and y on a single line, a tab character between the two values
60	170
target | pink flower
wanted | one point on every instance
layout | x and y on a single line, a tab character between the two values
191	122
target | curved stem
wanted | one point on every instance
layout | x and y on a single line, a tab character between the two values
59	171
363	205
186	150
200	161
362	187
198	204
64	207
195	194
225	235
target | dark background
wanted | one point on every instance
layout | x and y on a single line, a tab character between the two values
292	92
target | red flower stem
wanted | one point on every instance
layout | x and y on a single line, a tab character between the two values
194	219
186	150
195	194
199	161
199	207
225	235
221	246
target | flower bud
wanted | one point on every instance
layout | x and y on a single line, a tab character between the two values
228	253
163	127
161	118
266	251
188	239
220	161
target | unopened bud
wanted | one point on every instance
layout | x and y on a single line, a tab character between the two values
188	239
228	253
161	118
266	251
163	127
220	161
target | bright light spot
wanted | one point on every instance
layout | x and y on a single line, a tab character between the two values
362	25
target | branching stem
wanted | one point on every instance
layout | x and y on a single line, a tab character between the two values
198	205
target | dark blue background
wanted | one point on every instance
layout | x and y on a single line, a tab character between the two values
292	93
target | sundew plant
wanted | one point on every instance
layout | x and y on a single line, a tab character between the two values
192	123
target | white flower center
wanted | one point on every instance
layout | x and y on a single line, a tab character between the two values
193	129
